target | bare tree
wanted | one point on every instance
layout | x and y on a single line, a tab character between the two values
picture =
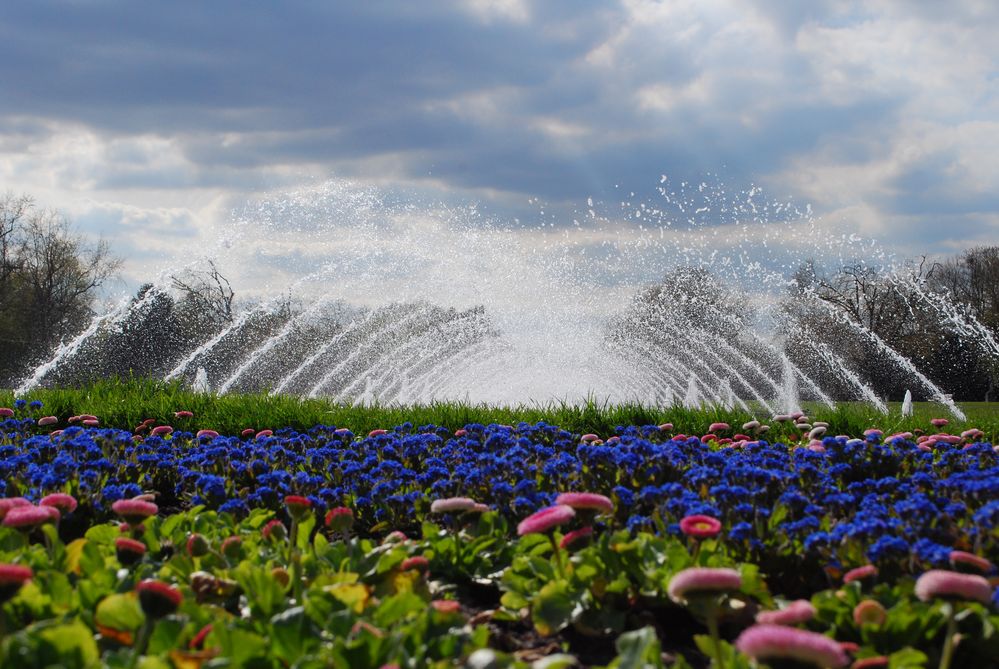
972	278
49	278
207	290
13	210
60	273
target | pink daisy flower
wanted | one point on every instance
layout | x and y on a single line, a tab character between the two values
275	530
795	613
231	546
581	501
298	506
576	538
452	505
8	503
12	577
395	537
777	642
700	526
702	580
30	517
417	562
60	500
157	598
860	573
340	519
869	612
134	511
546	520
446	606
129	551
943	584
976	562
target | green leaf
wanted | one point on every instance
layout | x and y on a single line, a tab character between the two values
352	595
165	635
258	518
171	524
33	598
395	608
556	661
56	584
554	607
777	516
103	534
239	645
514	601
93	563
150	662
262	590
68	646
120	612
12	541
487	658
730	657
389	561
74	553
907	658
321	543
290	634
304	531
638	650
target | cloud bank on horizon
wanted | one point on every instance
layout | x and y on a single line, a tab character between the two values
148	122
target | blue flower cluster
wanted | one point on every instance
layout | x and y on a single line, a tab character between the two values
858	501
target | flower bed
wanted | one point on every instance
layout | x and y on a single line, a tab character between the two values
420	546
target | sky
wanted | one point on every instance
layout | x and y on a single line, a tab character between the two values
156	125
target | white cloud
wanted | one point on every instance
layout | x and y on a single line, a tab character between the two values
871	112
518	11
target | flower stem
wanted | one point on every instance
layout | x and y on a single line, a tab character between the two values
558	556
141	642
295	560
715	637
459	548
948	649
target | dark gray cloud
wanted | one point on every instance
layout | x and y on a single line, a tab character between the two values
563	101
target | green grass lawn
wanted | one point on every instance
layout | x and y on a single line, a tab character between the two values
124	404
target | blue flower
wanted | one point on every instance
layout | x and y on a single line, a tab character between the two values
740	532
988	516
888	548
625	496
931	552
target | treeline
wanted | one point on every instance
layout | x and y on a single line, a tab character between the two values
49	278
853	329
860	320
